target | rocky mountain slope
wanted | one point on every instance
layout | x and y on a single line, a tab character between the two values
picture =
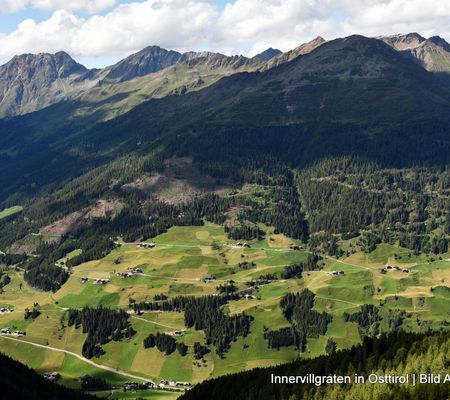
149	60
32	82
29	82
290	55
432	53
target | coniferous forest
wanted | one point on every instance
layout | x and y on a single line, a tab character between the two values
396	354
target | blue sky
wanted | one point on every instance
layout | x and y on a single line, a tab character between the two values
99	32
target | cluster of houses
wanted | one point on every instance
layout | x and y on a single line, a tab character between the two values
295	247
243	245
336	273
144	245
387	268
100	281
248	293
52	376
95	281
4	310
163	385
8	331
130	273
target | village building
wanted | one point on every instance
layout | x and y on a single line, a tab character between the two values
336	273
149	385
130	386
145	245
52	377
5	331
184	384
100	281
125	274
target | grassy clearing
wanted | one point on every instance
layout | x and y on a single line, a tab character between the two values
7	212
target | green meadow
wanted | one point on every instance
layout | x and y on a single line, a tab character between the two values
182	257
10	211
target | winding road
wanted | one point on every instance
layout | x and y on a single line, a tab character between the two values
86	360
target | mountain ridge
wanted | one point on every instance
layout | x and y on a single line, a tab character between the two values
324	103
134	77
432	53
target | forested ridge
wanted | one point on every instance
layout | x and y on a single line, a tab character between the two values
397	353
19	382
335	199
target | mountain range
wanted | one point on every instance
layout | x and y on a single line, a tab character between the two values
31	82
347	96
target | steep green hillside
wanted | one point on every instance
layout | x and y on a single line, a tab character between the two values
398	354
21	383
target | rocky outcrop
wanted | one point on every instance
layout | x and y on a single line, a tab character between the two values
290	55
28	81
432	53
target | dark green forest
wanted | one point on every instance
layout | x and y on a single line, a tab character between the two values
397	353
19	382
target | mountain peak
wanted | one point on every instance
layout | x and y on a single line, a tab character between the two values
403	41
148	60
267	54
59	65
433	53
27	80
441	42
304	48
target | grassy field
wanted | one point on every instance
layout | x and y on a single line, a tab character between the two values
10	211
175	267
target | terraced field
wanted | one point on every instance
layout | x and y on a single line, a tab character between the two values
176	266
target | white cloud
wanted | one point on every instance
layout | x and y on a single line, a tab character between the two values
244	25
11	6
88	6
277	23
170	23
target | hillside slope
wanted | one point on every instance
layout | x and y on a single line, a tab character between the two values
19	382
396	354
432	53
349	96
